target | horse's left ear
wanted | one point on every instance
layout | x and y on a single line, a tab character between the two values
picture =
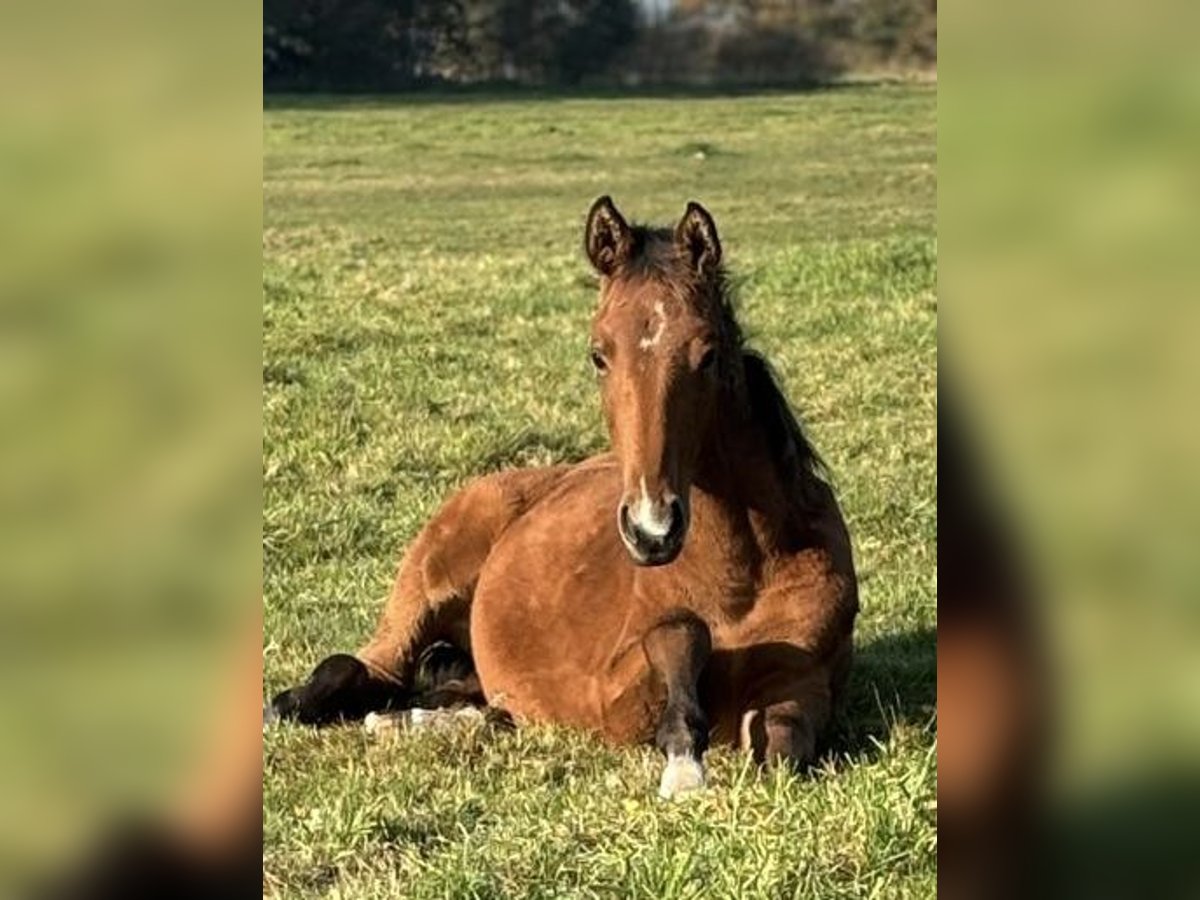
696	235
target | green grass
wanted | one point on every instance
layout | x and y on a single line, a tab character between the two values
425	314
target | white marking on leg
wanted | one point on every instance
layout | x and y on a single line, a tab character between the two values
378	724
417	719
748	723
681	775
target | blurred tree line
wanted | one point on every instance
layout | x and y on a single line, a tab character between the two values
380	45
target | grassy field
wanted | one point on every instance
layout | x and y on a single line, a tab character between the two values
425	314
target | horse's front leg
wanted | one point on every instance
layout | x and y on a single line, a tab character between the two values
678	648
784	730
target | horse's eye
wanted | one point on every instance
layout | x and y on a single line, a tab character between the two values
599	361
707	360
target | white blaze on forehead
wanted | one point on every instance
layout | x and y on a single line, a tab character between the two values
659	325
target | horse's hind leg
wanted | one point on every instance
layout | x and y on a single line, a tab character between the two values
447	694
339	688
678	648
431	599
430	602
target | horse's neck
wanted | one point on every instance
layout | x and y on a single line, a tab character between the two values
738	476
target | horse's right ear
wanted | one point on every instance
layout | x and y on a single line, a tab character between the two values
607	238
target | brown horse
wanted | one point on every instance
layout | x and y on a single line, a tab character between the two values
695	583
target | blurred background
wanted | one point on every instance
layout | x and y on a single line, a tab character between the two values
130	498
376	45
1068	136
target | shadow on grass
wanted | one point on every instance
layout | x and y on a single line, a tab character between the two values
492	93
893	682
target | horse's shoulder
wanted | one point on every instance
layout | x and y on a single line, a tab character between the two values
819	582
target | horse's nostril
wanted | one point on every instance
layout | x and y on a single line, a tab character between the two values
623	519
677	519
657	538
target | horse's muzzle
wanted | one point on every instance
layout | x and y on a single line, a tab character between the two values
655	539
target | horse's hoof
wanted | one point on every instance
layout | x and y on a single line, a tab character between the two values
682	775
270	717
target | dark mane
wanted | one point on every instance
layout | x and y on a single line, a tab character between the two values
655	255
793	452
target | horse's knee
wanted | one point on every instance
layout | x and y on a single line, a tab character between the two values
781	734
680	638
683	619
791	739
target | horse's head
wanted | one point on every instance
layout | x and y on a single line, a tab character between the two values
660	344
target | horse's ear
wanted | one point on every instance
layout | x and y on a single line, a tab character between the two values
607	239
696	236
